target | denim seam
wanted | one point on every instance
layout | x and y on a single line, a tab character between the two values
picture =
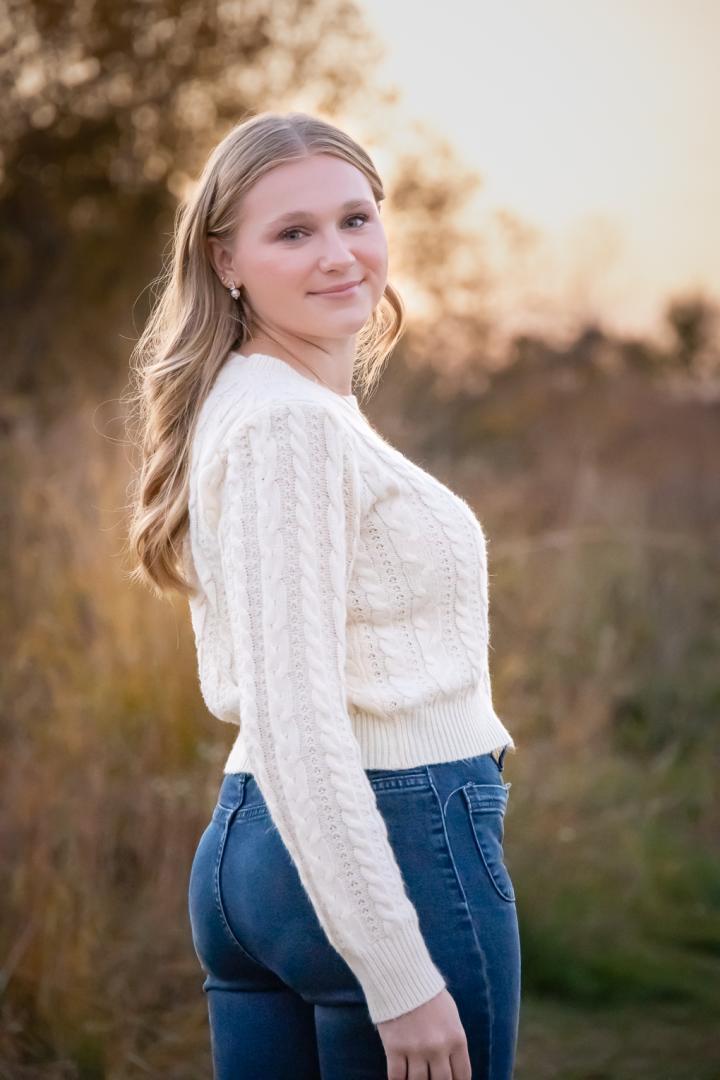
217	896
481	951
453	792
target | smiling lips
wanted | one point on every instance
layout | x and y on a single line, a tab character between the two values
339	289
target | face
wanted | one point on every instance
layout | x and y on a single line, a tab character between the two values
305	227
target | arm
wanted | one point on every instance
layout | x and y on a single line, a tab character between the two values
289	527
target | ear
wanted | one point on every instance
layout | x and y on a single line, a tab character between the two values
220	258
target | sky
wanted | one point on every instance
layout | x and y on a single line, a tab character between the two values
597	122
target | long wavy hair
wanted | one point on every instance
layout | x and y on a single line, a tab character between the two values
195	323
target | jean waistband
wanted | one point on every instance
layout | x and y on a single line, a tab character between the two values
240	789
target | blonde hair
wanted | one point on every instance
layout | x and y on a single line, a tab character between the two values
195	323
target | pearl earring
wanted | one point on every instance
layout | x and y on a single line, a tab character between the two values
234	291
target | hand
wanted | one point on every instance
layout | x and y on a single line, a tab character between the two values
427	1043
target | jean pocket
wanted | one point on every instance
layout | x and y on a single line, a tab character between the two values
486	804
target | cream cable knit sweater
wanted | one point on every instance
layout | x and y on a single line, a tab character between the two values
342	623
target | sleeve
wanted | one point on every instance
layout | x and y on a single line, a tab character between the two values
288	533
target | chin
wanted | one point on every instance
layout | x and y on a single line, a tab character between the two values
346	323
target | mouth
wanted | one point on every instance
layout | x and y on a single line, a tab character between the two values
340	290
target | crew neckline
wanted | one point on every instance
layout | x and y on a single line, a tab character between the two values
268	361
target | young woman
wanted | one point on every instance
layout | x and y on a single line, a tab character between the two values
348	901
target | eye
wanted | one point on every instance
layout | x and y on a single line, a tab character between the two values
285	235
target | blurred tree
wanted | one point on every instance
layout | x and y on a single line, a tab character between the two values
106	112
694	322
444	259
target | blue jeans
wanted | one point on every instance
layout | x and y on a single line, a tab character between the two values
282	1003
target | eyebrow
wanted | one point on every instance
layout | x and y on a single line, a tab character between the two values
295	215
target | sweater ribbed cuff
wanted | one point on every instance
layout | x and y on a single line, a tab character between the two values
397	974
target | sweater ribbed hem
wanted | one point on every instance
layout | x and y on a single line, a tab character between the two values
397	974
446	731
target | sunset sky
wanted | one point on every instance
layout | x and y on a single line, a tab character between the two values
596	121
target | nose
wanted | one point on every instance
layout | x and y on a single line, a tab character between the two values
335	252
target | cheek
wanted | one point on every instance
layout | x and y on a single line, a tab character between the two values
375	256
375	260
275	269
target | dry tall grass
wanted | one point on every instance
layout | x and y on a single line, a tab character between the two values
601	504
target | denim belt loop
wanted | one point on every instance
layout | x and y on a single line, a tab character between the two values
234	785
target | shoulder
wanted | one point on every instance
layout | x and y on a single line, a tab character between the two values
294	449
296	440
293	419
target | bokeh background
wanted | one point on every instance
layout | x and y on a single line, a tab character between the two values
552	172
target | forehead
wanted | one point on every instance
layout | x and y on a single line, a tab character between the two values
318	185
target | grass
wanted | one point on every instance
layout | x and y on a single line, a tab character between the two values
604	598
558	1041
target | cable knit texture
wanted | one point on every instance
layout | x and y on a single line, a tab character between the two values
341	621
